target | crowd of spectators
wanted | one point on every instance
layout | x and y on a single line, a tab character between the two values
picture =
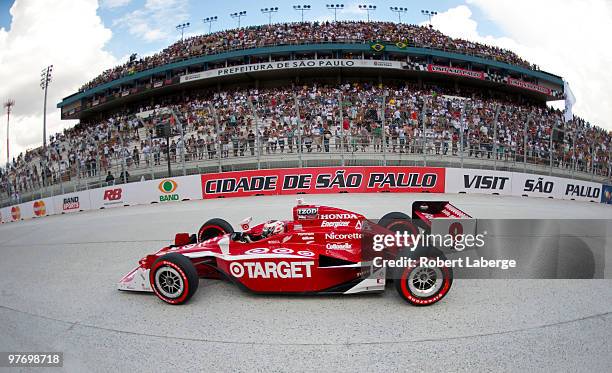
247	122
302	33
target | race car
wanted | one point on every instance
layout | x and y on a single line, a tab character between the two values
322	250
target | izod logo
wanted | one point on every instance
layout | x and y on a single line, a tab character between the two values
168	187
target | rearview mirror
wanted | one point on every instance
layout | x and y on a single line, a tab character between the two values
245	224
181	239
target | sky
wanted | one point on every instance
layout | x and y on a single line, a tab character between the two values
82	38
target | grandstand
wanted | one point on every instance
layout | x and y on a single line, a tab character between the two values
303	94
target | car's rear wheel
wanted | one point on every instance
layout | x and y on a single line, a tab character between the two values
398	222
173	278
213	228
421	284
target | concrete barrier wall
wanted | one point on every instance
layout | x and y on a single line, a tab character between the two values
193	187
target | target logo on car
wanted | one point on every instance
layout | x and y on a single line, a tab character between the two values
268	270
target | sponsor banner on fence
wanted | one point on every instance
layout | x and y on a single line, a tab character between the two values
529	86
287	65
324	180
455	71
72	202
537	186
174	189
112	196
581	190
33	209
460	180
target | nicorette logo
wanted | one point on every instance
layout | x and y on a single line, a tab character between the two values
39	208
167	187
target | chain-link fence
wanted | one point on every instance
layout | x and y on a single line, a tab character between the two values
318	132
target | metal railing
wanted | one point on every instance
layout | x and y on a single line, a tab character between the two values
237	154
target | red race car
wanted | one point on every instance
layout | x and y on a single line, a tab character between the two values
322	250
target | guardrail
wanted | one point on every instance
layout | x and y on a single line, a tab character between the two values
309	180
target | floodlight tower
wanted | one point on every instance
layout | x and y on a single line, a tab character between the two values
368	9
210	21
335	8
8	105
239	16
302	9
399	11
269	12
429	13
45	80
182	28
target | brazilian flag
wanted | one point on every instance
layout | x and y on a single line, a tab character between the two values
401	44
377	47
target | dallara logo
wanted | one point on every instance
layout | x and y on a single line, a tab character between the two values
167	187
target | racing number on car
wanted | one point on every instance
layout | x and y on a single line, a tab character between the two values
455	229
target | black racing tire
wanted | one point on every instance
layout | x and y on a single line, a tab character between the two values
398	222
213	228
421	285
174	278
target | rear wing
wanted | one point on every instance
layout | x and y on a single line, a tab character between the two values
441	217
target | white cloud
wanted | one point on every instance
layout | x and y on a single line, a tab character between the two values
567	38
65	33
156	20
114	3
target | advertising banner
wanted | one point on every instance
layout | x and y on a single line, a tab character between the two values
529	86
537	185
33	209
324	180
72	202
173	189
112	196
581	190
455	71
459	180
287	65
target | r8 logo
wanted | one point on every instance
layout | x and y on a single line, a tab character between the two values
112	194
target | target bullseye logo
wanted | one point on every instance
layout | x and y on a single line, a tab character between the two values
236	269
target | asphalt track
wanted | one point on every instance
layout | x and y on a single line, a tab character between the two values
58	293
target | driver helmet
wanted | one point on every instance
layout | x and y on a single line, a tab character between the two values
273	227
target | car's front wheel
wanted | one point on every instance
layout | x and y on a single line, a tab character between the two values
173	278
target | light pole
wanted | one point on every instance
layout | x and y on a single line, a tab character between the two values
399	12
45	79
368	9
269	12
210	21
8	105
335	8
239	15
302	9
182	28
429	14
